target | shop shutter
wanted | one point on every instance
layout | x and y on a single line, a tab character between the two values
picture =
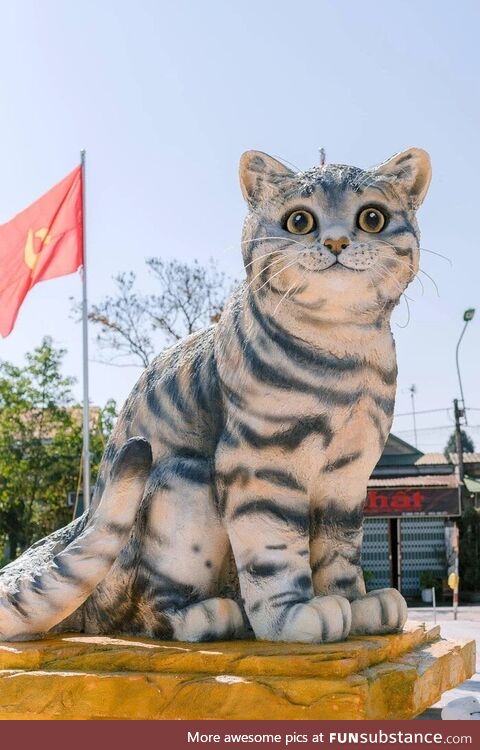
376	553
422	548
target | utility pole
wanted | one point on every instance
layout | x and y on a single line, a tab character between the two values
467	317
455	579
413	390
458	413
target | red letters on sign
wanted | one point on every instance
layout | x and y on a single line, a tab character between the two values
397	501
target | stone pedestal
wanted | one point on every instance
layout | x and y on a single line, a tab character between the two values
90	677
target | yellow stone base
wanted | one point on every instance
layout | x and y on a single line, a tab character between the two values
89	677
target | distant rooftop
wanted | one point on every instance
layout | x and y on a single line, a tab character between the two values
432	459
445	480
399	457
403	465
438	458
468	458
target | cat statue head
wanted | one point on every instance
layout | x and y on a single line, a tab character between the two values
336	243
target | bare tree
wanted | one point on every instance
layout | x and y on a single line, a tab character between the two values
188	297
124	323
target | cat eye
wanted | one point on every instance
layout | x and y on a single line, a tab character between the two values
300	222
371	220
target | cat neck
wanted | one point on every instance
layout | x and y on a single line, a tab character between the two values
328	327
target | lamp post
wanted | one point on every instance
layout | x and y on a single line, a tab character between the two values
467	317
459	412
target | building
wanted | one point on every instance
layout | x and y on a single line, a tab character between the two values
471	467
413	501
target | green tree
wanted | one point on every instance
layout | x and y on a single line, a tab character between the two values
41	446
467	444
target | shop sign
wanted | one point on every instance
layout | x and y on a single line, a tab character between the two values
431	501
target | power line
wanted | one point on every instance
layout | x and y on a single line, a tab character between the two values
440	427
431	411
439	445
425	411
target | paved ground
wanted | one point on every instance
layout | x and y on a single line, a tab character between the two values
466	627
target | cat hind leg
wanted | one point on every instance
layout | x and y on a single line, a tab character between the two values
213	619
34	600
184	555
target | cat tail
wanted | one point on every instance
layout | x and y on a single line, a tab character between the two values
35	600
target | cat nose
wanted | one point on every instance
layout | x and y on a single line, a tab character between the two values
336	246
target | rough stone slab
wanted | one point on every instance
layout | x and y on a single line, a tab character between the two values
96	677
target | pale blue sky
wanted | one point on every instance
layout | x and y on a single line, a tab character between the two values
166	96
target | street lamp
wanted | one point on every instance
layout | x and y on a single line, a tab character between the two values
461	412
467	317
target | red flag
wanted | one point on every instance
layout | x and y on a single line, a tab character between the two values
42	242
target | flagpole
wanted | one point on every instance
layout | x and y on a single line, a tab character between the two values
86	404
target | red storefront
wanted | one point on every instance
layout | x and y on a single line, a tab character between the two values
412	503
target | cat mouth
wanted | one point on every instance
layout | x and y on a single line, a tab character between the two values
338	265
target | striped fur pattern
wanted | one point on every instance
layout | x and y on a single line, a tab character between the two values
238	513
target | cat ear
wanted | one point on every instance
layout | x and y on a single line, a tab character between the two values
409	171
259	174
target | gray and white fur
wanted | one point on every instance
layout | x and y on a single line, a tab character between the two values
238	512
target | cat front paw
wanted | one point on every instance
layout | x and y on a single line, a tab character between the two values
323	619
379	612
213	619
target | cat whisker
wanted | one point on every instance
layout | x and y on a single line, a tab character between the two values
274	237
412	271
381	308
422	249
290	164
387	272
295	286
272	276
401	261
389	244
410	267
277	260
264	268
259	257
433	252
368	178
420	270
372	178
284	297
408	313
406	297
403	294
260	239
417	278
